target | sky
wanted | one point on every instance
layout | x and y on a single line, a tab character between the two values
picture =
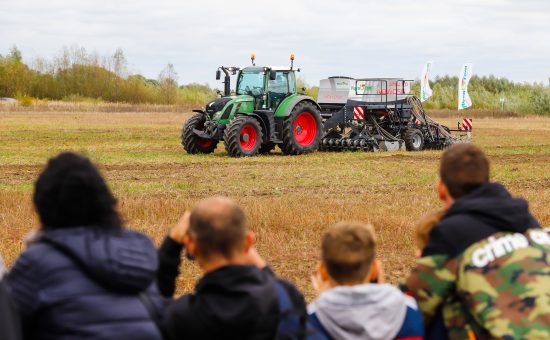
357	38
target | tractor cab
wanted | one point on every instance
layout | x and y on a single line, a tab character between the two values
268	86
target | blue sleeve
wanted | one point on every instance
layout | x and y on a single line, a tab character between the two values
413	326
316	331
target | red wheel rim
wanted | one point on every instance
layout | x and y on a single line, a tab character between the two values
204	143
248	137
305	128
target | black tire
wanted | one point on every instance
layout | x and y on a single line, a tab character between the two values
266	148
238	142
192	143
414	140
308	143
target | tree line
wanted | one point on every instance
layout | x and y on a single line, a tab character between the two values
490	93
78	75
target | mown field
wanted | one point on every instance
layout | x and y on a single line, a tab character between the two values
290	200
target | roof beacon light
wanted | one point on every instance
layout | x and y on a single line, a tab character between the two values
291	60
253	57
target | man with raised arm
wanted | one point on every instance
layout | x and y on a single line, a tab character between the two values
238	296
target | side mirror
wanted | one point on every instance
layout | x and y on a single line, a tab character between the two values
218	74
272	75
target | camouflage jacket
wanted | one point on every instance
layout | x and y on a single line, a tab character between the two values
488	278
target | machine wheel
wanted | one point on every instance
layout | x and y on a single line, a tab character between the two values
302	129
243	137
414	140
192	143
266	148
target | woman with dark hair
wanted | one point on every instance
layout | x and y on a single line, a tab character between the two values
83	275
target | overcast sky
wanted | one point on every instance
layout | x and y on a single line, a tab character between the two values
360	38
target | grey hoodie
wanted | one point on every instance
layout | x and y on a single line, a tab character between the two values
367	311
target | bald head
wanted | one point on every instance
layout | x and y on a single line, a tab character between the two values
219	226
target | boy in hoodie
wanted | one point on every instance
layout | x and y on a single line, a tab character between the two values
488	257
353	302
238	296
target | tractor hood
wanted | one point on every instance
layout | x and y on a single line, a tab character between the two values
216	105
223	109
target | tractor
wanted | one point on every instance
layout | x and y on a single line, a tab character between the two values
265	111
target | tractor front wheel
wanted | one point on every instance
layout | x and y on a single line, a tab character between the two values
191	142
414	140
302	129
243	137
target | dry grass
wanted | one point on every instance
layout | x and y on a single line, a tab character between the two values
290	200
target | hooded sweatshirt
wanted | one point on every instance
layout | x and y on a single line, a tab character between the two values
484	212
367	311
486	269
84	282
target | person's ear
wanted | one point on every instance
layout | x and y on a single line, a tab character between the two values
249	241
442	191
190	244
377	272
323	272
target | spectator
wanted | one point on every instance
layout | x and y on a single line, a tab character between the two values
424	228
83	276
436	329
354	303
488	256
238	296
10	329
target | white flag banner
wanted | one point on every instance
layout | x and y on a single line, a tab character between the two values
464	100
425	90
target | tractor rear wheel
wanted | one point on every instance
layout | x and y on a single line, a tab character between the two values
192	143
414	140
267	148
302	129
243	137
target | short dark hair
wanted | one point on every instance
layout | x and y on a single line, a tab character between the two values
348	251
70	192
464	168
219	225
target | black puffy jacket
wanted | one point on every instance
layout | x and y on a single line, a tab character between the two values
10	328
84	283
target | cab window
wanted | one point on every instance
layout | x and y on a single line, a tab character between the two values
280	84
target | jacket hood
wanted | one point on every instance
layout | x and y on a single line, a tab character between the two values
367	311
120	260
238	296
494	205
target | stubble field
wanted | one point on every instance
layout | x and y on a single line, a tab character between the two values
289	200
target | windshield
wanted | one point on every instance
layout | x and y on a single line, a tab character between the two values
250	83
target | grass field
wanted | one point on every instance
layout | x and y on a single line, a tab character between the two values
290	200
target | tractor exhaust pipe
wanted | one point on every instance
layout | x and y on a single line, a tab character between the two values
226	80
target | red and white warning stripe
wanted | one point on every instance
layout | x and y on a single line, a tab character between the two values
358	112
467	124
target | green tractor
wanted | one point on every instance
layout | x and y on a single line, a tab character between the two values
265	111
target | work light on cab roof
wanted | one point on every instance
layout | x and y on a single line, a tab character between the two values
263	111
